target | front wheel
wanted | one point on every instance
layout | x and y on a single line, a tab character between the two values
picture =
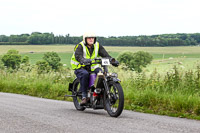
78	95
114	101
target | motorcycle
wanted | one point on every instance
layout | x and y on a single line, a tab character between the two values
105	91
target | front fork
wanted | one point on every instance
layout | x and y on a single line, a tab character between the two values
107	91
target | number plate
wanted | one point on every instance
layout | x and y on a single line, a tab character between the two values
105	62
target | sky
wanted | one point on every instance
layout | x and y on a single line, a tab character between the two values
104	17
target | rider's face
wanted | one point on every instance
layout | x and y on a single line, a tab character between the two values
90	40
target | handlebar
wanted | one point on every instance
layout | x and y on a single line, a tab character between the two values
99	61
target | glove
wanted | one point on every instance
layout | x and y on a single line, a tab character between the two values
86	61
112	60
115	63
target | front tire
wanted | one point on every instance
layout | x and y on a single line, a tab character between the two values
76	91
115	104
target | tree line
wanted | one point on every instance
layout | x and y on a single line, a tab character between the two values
37	38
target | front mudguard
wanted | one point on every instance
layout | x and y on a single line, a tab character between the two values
116	80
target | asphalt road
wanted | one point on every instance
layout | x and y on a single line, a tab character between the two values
26	114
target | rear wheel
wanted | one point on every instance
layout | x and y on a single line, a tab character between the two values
115	103
77	99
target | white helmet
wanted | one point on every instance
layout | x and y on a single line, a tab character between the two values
89	34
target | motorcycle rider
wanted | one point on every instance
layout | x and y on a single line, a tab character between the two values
84	52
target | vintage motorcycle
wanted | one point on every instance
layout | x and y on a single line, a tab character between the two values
105	91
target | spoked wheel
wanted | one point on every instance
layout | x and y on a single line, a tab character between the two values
115	103
77	99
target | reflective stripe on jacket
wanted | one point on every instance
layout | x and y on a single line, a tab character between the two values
86	54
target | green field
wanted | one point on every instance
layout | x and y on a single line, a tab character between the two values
164	57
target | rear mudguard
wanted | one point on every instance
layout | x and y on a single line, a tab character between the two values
71	85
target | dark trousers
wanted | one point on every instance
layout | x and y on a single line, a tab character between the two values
83	76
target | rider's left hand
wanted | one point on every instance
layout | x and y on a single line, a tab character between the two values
115	63
112	60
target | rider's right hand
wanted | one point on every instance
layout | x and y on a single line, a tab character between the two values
86	61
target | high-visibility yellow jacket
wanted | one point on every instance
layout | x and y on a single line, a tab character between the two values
86	54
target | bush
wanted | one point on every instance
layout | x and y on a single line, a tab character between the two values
141	59
12	59
1	63
25	60
53	60
42	67
125	58
135	61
